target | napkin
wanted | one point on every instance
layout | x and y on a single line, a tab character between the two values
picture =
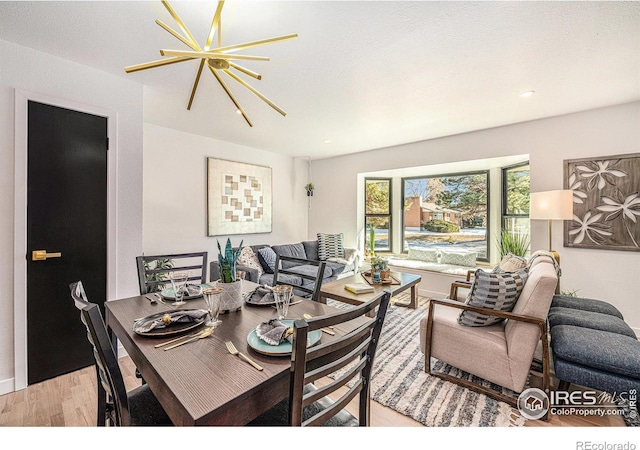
184	316
274	332
261	295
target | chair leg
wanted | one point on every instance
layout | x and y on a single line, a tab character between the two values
563	385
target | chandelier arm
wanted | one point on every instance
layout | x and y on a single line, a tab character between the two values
177	35
258	94
180	23
257	43
246	71
214	24
158	63
210	55
195	84
233	99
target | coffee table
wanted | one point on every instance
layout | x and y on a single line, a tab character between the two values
335	290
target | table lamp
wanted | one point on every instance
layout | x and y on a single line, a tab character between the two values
551	205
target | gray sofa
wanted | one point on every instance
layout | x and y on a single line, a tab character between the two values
334	268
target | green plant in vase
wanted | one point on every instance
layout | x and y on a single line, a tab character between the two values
381	267
515	243
228	262
372	241
231	297
159	264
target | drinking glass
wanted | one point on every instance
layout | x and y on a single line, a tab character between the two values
282	295
179	282
212	298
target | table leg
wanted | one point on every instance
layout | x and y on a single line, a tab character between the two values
414	297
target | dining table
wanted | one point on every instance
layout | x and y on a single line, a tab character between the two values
201	382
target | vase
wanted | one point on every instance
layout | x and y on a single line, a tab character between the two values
385	275
231	297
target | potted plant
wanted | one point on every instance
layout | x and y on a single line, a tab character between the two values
372	240
380	266
231	299
160	264
515	243
309	188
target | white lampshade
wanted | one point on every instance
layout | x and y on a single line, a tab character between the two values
551	205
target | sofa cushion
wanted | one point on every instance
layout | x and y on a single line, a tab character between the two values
311	249
307	269
585	304
248	258
267	258
267	279
291	250
466	259
424	254
585	346
510	263
497	291
330	246
589	319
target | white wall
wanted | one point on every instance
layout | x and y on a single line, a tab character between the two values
26	69
175	175
601	274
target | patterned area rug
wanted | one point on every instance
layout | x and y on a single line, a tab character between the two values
400	382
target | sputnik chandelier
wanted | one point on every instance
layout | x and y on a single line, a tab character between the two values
218	60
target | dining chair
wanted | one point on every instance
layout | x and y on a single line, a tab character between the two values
305	275
116	406
153	271
347	359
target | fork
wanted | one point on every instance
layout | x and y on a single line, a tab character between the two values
234	351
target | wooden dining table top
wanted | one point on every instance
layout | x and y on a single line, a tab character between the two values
201	383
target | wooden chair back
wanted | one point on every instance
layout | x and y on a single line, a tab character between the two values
116	410
153	271
352	354
284	266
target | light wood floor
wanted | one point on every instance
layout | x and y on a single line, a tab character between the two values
70	401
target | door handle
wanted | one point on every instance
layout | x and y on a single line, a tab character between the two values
41	255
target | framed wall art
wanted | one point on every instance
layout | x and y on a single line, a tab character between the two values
606	202
238	198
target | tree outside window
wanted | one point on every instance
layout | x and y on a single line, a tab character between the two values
378	214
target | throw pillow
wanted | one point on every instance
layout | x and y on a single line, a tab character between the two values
267	258
248	258
497	291
330	246
466	259
423	254
510	263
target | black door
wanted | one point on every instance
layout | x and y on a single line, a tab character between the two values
66	214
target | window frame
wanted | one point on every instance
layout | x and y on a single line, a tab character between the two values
504	216
389	215
454	174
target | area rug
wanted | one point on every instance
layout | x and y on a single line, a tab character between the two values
399	381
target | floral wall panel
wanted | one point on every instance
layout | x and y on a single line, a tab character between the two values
606	202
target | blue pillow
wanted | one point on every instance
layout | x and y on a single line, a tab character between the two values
267	258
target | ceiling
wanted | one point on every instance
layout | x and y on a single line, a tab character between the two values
363	74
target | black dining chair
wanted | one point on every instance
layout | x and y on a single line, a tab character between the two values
138	407
290	271
349	357
153	271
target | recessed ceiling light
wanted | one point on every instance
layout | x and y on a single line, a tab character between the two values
327	141
527	93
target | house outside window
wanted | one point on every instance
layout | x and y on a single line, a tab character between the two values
378	213
447	211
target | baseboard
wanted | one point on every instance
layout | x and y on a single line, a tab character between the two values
7	386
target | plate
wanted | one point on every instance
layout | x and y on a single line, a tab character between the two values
285	348
174	328
169	295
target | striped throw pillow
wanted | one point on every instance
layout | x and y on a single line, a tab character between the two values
497	291
330	246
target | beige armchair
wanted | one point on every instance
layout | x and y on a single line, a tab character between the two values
501	353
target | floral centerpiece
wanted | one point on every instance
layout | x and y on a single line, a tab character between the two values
381	266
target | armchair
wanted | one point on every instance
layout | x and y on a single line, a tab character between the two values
501	353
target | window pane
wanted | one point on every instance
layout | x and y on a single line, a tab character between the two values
380	226
446	212
519	227
517	190
376	198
